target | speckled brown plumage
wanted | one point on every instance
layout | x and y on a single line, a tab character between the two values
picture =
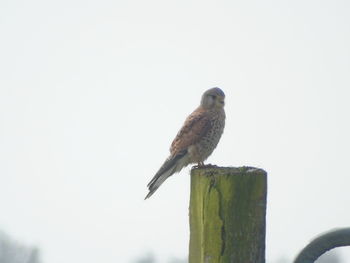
197	139
200	134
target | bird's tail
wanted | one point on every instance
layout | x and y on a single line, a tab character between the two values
172	165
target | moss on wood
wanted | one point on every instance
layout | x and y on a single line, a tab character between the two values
227	215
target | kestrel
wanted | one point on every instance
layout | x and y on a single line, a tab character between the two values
196	140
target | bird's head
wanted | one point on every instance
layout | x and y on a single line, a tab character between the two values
213	98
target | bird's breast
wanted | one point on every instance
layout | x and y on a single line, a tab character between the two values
209	142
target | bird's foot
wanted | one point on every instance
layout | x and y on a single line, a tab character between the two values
199	165
202	165
209	165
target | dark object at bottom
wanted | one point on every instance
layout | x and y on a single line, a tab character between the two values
323	243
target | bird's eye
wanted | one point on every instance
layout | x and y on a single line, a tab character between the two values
213	97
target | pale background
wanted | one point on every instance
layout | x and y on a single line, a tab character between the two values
93	92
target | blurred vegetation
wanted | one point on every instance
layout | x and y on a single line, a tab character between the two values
12	251
150	258
332	256
329	257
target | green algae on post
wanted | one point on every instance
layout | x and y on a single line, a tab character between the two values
227	215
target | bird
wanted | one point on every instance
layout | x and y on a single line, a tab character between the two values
196	140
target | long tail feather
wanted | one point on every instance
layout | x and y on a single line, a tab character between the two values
170	166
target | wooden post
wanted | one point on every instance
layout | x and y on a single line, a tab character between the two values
227	215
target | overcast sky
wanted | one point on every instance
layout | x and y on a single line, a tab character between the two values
93	92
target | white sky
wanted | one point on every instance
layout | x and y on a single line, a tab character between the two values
93	92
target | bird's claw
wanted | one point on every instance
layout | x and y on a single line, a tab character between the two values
202	165
209	165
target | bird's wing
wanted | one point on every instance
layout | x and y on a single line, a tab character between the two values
194	128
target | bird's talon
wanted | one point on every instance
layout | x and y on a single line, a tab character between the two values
202	165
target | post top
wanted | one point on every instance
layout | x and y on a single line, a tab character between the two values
209	170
